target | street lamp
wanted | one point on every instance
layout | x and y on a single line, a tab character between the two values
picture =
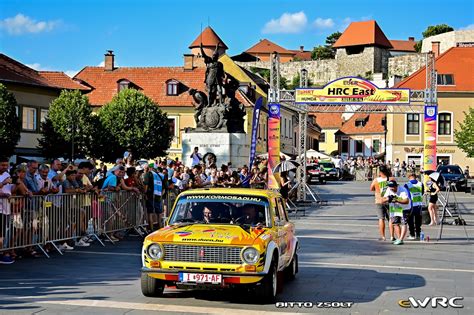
304	78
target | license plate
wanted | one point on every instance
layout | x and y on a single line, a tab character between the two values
200	277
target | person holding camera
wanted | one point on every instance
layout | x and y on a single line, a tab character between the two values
399	208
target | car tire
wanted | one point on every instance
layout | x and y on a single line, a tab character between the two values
267	290
151	287
292	269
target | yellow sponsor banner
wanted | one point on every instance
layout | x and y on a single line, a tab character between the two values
352	90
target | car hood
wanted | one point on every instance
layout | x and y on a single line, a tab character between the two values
206	233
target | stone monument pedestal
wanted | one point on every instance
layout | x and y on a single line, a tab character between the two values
228	147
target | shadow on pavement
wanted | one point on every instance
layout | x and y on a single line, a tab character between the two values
319	284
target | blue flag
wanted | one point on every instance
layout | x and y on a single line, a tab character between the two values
253	143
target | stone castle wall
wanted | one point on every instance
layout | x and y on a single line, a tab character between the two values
373	59
405	65
356	64
320	71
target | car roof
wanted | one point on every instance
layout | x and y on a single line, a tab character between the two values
267	193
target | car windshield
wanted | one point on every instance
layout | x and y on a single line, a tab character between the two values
450	170
327	164
312	167
221	209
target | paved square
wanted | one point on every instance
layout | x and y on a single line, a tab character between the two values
340	260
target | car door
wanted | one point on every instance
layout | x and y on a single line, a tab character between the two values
285	233
277	231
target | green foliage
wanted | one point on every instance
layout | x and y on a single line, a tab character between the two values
332	39
51	143
264	73
464	135
70	121
436	29
418	46
132	120
9	122
283	83
322	52
326	51
295	83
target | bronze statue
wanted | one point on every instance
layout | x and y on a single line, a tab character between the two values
214	75
200	99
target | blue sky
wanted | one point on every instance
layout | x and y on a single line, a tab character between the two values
68	35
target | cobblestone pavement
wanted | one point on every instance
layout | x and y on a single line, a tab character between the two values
340	260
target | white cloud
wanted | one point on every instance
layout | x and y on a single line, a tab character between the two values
288	23
101	64
469	27
21	24
321	23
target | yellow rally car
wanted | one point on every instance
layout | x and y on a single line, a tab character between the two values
222	238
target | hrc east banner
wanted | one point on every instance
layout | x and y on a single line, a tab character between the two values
273	143
429	129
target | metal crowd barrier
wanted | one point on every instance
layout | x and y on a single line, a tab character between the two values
40	220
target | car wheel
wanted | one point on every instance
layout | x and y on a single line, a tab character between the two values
151	287
267	289
292	268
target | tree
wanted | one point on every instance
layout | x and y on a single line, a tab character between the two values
295	83
464	136
70	117
132	120
9	122
332	39
326	51
51	143
433	30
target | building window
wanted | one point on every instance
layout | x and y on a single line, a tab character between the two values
322	137
360	123
123	84
444	127
172	87
376	146
29	118
445	79
345	146
354	50
43	115
413	124
359	146
172	126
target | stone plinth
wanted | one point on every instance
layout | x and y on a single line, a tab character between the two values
228	147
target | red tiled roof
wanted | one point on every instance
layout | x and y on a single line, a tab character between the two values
373	124
208	38
328	120
403	45
363	33
149	80
265	46
302	55
61	79
16	72
458	61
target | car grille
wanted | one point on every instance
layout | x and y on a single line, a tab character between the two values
203	254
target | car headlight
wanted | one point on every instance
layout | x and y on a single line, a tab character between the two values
250	255
155	251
